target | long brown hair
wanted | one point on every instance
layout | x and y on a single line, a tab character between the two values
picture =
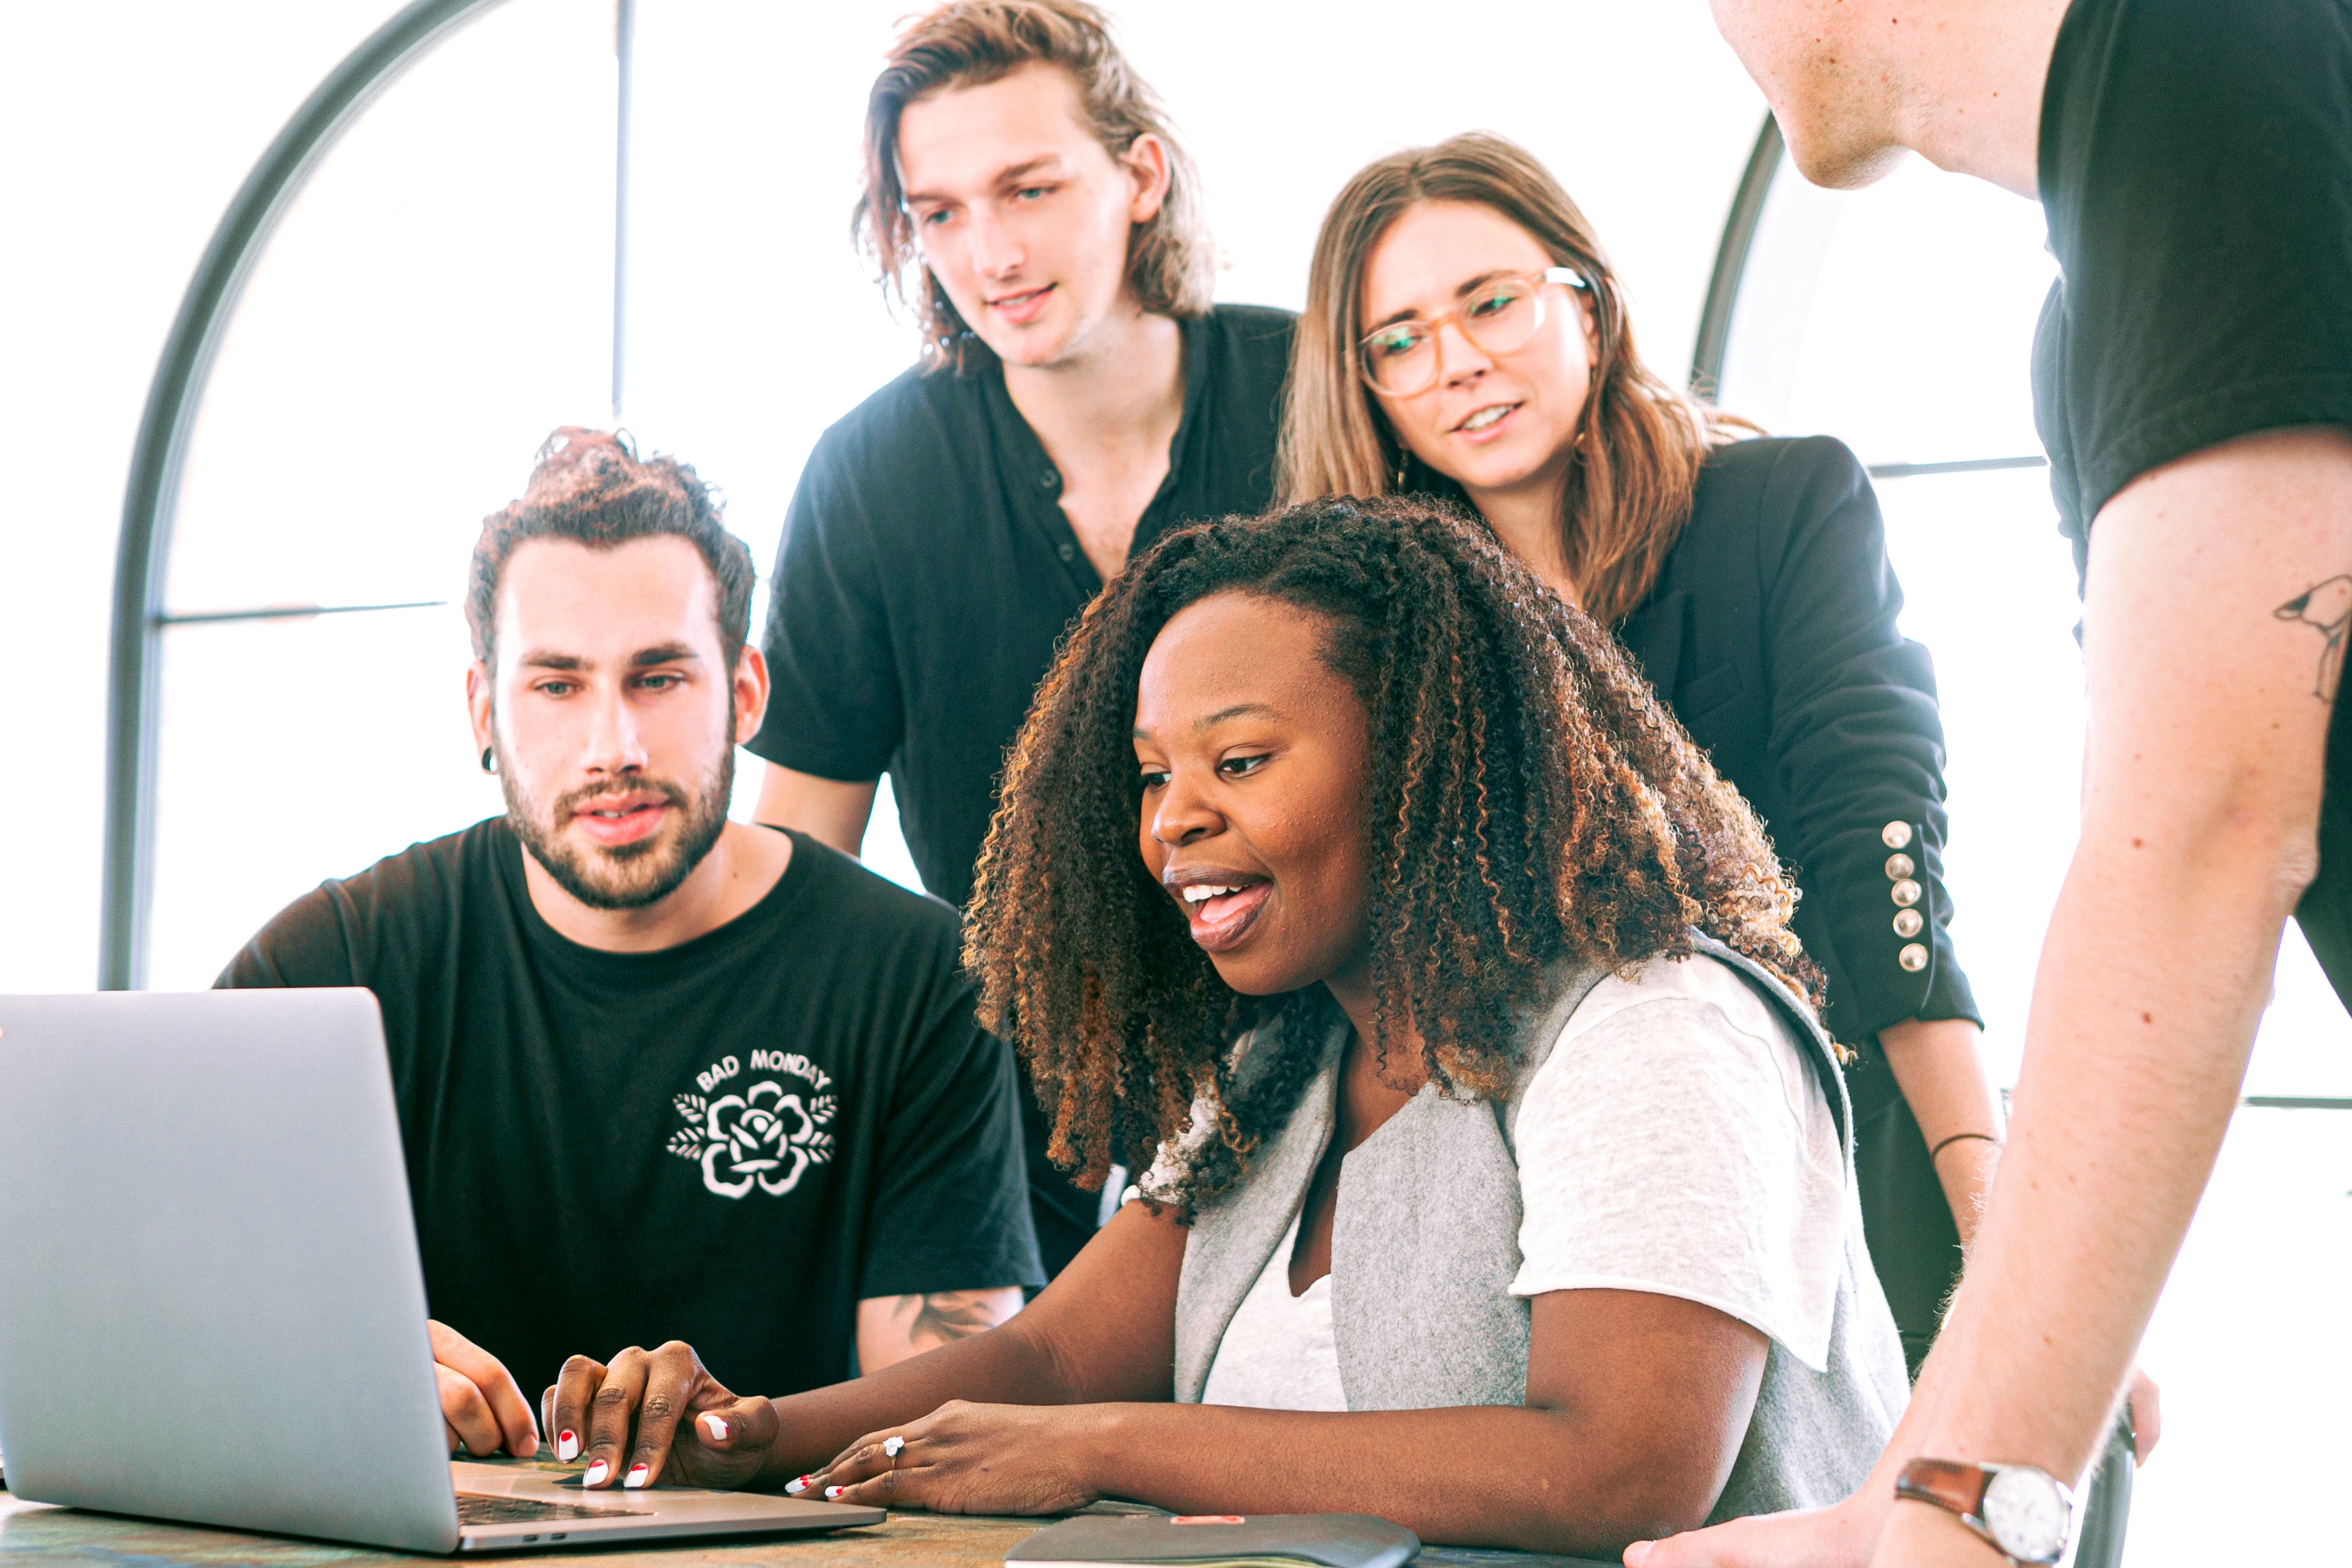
1169	257
1527	801
1640	441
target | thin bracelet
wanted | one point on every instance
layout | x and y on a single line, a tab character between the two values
1955	1138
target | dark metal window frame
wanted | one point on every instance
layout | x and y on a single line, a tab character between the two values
150	501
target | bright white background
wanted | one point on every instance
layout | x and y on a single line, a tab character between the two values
441	298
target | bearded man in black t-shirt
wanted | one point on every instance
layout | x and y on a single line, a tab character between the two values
661	1075
2193	384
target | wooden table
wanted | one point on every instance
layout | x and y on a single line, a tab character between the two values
34	1534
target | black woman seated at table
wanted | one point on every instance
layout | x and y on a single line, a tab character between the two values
1504	1183
1464	337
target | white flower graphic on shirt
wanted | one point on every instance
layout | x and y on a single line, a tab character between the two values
764	1137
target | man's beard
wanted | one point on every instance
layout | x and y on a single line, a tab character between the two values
624	876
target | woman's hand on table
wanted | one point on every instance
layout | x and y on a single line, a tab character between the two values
969	1458
656	1415
481	1404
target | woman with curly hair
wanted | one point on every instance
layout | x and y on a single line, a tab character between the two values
1503	1183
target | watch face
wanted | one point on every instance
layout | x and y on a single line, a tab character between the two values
2028	1514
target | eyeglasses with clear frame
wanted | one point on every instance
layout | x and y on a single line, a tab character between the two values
1401	358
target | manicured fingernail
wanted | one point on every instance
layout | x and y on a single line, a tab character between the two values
798	1485
638	1476
832	1492
1637	1554
567	1446
596	1474
717	1427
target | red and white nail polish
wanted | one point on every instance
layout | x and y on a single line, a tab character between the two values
567	1446
596	1474
638	1476
715	1426
796	1486
832	1492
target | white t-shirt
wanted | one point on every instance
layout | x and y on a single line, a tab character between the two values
1675	1140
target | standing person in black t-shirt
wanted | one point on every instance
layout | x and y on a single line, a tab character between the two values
1076	395
660	1072
2192	379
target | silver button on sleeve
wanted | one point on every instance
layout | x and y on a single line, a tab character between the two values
1896	835
1907	923
1898	867
1905	893
1913	957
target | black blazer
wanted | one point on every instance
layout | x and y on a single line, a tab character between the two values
1771	634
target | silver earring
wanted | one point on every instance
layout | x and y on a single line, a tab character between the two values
489	760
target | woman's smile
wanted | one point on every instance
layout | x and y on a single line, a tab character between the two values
1219	905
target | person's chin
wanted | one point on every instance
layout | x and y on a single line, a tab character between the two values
1033	345
1253	971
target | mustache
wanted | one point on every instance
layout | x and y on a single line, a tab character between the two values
572	803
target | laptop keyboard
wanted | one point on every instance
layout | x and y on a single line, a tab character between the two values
476	1508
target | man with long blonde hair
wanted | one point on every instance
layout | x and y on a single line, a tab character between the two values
1076	395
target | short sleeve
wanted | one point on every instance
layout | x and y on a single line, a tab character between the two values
1677	1142
950	1210
835	709
2196	164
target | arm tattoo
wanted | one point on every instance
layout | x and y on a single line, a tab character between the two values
2326	608
942	1317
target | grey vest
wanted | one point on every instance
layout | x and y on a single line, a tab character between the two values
1426	1242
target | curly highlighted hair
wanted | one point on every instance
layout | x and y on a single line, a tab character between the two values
1528	801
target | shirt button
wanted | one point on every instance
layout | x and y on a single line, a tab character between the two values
1907	923
1896	835
1898	867
1905	893
1047	480
1066	553
1913	957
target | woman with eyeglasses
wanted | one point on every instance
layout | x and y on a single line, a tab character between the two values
1463	336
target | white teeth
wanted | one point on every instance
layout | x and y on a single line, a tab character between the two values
1203	895
1487	416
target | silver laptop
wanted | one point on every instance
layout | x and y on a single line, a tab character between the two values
211	1306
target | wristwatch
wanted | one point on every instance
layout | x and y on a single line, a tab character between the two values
2026	1514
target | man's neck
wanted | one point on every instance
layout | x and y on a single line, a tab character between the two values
1965	80
742	867
1106	416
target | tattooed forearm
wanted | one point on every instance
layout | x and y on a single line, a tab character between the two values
942	1316
2326	608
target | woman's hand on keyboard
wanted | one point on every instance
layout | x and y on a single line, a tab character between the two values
657	1415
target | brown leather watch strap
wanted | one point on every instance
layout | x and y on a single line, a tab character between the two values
1947	1483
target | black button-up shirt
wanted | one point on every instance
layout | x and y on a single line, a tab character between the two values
928	571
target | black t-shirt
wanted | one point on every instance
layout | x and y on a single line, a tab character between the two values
2196	166
731	1142
928	571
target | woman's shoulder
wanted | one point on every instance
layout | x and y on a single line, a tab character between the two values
1694	980
1767	474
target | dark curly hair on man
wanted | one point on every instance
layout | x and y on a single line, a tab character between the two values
1528	801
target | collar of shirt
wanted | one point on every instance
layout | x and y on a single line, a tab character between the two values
1033	486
